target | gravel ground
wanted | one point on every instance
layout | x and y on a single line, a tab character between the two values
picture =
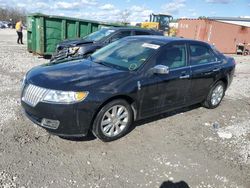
201	147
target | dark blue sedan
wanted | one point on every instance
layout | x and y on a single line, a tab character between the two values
130	79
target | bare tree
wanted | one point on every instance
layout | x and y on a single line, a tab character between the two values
13	14
125	16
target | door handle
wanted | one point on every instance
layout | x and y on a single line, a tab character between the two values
184	76
216	69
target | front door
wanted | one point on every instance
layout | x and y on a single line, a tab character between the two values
163	92
174	87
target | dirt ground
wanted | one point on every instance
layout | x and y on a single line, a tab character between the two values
201	147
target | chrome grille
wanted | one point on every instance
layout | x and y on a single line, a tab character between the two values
32	94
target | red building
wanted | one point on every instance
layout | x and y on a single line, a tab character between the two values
224	33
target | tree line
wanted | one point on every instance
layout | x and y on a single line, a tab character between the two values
12	14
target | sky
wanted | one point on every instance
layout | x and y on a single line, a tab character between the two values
133	10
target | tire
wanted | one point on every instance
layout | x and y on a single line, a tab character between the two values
215	95
108	125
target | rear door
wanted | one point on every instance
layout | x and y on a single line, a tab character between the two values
205	69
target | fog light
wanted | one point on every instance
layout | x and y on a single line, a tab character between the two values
49	123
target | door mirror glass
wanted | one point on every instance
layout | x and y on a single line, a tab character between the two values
161	69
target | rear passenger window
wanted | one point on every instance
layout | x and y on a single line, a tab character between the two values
141	33
201	55
173	56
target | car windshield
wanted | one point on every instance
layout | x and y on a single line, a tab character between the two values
98	35
126	54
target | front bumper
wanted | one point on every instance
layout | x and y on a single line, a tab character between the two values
75	119
64	55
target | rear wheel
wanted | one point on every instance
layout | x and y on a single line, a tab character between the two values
113	121
215	95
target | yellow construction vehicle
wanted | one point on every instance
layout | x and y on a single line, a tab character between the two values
159	22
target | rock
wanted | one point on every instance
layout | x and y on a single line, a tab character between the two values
216	125
104	153
224	134
207	124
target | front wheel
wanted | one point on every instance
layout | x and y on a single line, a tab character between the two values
113	121
215	95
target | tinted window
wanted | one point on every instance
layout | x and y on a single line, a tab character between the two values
98	35
141	33
201	55
120	35
173	56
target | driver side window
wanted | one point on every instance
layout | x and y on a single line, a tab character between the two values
173	56
120	35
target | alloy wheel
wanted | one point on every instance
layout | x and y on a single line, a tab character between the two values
217	95
114	120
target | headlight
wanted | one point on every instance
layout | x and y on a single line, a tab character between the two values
64	97
81	50
23	80
58	48
73	50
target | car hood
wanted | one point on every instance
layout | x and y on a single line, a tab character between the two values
74	42
75	76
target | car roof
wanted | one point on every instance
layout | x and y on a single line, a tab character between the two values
133	28
165	39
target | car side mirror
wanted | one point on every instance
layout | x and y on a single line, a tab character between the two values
107	41
218	60
161	69
113	39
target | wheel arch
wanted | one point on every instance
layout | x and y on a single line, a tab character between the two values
224	80
127	98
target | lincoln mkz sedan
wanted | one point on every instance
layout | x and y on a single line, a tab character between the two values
131	79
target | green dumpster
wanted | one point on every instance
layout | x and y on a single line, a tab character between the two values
44	32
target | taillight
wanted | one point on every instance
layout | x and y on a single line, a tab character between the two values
233	61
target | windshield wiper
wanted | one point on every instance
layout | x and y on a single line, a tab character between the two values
103	63
112	65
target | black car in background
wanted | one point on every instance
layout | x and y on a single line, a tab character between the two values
89	44
127	80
